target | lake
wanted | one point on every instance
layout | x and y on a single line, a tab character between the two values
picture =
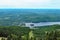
41	24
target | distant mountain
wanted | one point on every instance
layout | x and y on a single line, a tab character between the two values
14	17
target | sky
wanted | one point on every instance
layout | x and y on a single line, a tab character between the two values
30	4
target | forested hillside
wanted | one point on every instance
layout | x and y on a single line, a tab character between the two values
13	17
25	33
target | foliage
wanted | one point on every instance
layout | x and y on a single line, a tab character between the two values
23	33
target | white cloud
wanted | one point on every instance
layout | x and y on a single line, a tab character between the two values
28	3
22	3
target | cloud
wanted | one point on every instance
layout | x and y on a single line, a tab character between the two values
21	3
29	3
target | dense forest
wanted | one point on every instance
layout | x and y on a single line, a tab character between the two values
11	28
14	17
25	33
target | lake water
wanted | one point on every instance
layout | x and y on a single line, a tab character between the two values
41	24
